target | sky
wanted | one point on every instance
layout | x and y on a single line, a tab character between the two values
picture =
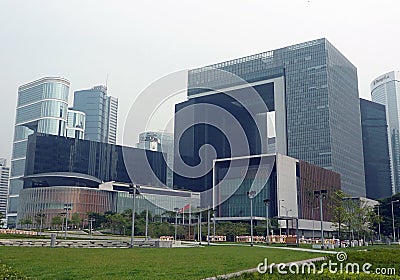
135	43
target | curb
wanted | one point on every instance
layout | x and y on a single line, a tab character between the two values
251	270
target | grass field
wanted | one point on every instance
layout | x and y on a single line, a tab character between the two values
140	263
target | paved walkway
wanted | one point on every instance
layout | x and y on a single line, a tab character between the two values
282	248
252	270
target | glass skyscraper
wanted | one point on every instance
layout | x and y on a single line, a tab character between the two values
101	113
42	107
376	150
385	90
313	89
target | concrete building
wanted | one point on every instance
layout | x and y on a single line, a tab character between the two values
311	87
101	113
385	90
376	150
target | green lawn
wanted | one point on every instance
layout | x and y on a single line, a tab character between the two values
380	257
140	263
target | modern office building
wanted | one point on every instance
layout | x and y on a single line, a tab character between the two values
376	150
311	87
107	162
101	113
162	142
287	183
4	177
42	107
385	90
85	193
76	124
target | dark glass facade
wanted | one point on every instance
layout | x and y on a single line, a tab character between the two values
47	153
268	177
321	109
376	150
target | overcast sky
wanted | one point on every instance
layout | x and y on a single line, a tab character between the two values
137	42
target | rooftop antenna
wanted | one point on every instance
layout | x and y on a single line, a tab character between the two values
107	81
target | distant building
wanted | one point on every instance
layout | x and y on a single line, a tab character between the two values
101	113
42	107
376	150
76	124
385	90
4	176
161	142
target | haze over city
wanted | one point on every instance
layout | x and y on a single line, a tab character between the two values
136	43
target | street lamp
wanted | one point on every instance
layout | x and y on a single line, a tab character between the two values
379	222
279	212
321	194
251	195
287	221
394	232
176	221
67	206
41	215
267	202
199	225
133	189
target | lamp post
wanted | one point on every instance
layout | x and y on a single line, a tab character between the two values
379	223
214	222
41	216
313	219
208	226
91	220
394	232
279	210
251	196
133	189
267	202
147	224
287	221
67	207
321	194
200	237
176	221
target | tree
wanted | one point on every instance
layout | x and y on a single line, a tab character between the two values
1	220
76	220
56	221
340	210
40	220
27	221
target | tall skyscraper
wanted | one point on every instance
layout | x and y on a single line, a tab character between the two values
101	113
42	106
376	150
312	88
385	90
4	176
162	142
